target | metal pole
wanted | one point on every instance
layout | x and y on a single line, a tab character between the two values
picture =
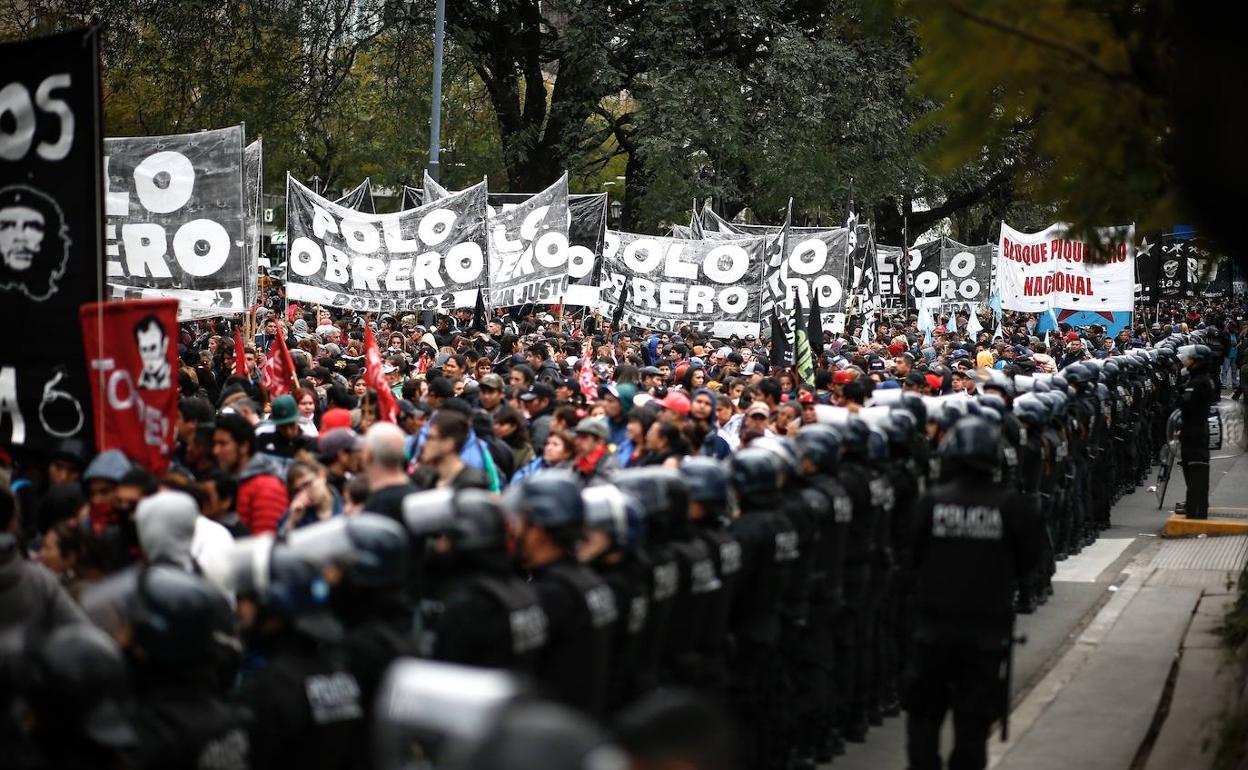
435	111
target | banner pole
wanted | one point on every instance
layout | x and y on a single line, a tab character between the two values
435	110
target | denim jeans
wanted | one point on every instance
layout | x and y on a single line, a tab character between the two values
1230	373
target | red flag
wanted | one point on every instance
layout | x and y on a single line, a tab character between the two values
278	373
387	406
132	359
588	387
240	356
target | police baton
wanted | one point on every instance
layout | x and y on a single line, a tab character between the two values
1007	673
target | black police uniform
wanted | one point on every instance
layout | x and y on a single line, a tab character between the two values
581	612
1197	397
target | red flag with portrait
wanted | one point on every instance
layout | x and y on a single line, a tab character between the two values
387	405
132	359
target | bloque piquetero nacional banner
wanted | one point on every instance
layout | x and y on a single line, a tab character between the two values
50	204
529	249
428	258
176	220
709	285
1038	271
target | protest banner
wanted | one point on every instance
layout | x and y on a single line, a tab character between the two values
707	285
51	183
253	188
529	249
360	199
1148	269
923	274
132	353
965	273
176	220
1039	271
428	258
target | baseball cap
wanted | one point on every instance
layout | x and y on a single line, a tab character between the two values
490	382
337	440
842	377
538	390
935	381
336	418
1071	336
676	401
593	426
607	389
650	371
758	407
284	411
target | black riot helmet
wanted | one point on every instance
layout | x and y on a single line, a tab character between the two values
999	381
972	445
537	734
609	509
479	524
755	472
899	429
662	494
707	479
821	445
379	550
179	618
991	402
550	499
1031	410
783	449
76	683
1077	375
856	439
1110	373
914	403
1195	356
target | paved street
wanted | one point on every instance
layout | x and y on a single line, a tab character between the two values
1089	679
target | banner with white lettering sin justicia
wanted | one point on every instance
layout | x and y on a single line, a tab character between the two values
176	220
1039	271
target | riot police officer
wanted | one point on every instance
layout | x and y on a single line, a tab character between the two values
477	611
769	547
580	608
973	542
1199	394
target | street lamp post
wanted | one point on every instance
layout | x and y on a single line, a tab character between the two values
435	110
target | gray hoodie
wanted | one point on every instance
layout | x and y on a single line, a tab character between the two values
166	525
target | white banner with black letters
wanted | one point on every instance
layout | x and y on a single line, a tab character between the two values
176	220
428	258
529	249
711	286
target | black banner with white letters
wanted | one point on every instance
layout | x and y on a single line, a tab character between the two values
1147	269
51	183
965	273
713	286
924	274
1177	275
428	258
177	220
360	199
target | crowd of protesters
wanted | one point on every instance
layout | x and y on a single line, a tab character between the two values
483	403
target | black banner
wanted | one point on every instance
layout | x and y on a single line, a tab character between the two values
529	249
360	199
965	273
428	258
889	273
253	187
51	184
177	220
1177	274
708	285
923	279
587	227
813	265
1147	269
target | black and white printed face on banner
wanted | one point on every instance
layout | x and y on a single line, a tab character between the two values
529	249
429	258
966	273
176	222
924	277
50	182
708	285
1172	282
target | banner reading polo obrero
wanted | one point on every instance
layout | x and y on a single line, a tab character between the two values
708	285
427	258
1039	271
177	223
529	249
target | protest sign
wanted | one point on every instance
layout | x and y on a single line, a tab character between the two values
132	353
176	220
965	273
707	285
428	258
253	184
51	182
529	249
1039	271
